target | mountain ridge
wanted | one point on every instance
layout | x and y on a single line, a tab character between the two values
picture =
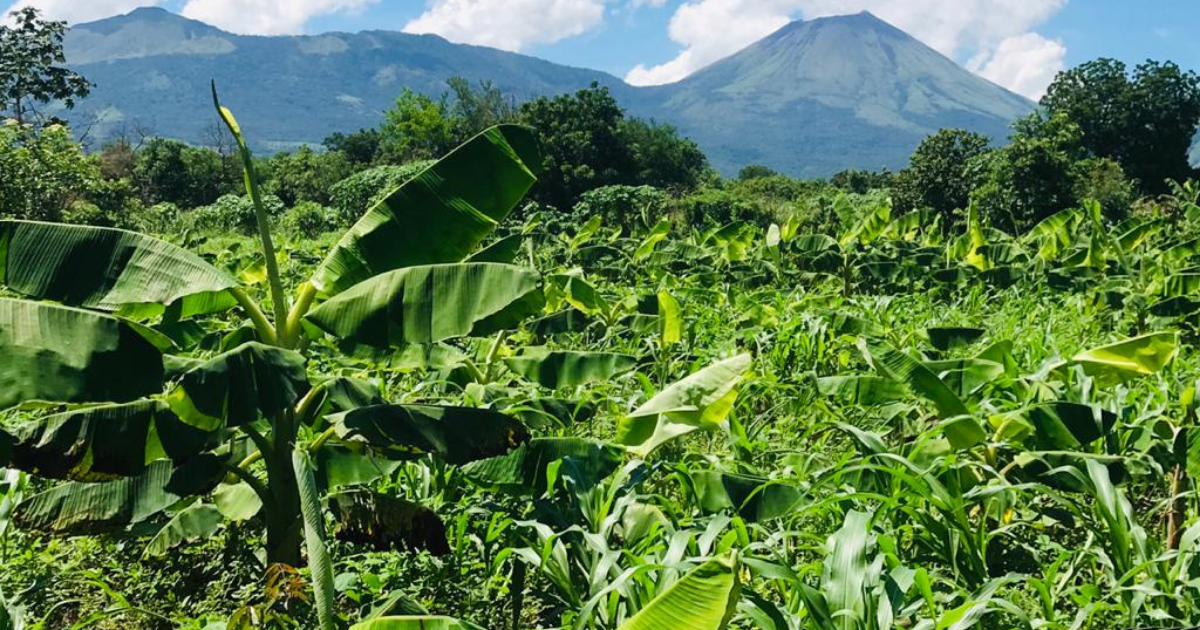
810	99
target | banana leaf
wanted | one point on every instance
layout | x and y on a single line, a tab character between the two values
526	470
60	354
195	522
700	401
108	269
566	368
105	442
234	388
861	390
93	508
439	216
415	622
1130	358
458	434
755	499
704	599
432	303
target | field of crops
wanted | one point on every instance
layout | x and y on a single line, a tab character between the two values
463	412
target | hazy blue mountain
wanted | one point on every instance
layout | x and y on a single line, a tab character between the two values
818	96
811	99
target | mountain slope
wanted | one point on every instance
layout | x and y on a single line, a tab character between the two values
817	96
811	99
154	67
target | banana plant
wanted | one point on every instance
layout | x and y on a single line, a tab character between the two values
138	429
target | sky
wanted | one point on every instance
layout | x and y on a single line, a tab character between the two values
1020	44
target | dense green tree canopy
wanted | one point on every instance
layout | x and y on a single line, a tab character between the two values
1144	119
938	177
31	65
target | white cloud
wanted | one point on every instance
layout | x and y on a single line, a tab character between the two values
265	17
1025	64
76	11
508	24
973	29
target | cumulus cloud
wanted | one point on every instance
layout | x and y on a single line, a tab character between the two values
995	34
265	17
1025	64
75	11
508	24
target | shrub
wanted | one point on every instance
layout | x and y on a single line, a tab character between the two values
718	206
352	196
626	207
229	213
308	220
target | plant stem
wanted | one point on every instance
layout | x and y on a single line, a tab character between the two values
261	324
292	327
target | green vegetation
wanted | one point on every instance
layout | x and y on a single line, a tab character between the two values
562	376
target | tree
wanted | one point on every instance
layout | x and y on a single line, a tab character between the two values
937	176
755	171
474	110
1026	181
306	175
1145	120
662	158
171	171
31	52
360	147
44	172
415	128
583	148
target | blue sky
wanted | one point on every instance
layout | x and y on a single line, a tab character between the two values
1020	44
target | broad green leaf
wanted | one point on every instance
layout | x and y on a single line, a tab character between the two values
525	469
656	236
1131	358
704	599
753	498
586	232
458	434
963	432
432	303
340	466
569	368
581	294
899	366
91	508
503	251
846	571
439	216
237	501
861	390
869	227
1054	234
108	269
195	522
234	388
423	622
319	563
670	319
105	442
60	354
1067	426
700	401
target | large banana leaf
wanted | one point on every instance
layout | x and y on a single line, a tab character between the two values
526	469
704	599
1067	426
194	522
566	368
108	269
458	434
753	498
91	508
898	366
61	354
861	390
700	401
233	388
105	442
1130	358
431	303
439	216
